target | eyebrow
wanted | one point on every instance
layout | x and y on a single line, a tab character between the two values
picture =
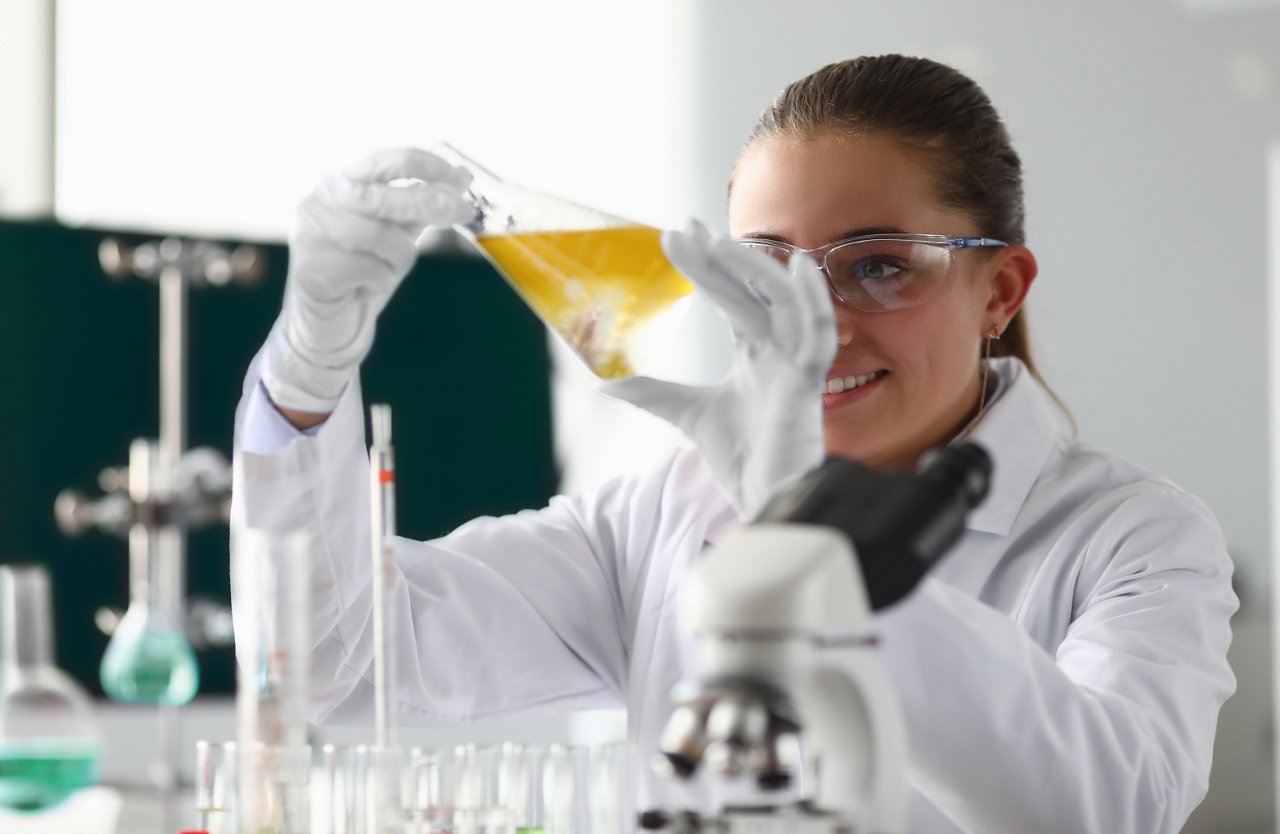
861	232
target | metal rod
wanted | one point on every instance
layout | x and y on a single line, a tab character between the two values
141	536
173	359
165	768
170	541
173	425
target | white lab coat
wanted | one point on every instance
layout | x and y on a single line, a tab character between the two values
1060	671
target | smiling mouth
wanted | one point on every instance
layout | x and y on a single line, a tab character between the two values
840	384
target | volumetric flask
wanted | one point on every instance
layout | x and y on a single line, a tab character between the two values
149	659
600	282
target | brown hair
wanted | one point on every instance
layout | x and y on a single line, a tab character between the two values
935	110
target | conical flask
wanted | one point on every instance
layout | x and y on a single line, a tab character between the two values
50	742
600	282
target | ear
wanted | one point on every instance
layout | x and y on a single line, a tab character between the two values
1010	274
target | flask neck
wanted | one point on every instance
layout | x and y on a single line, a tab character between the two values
26	627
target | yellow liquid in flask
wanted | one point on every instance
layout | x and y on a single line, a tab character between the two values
597	288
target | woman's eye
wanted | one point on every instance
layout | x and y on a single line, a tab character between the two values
873	270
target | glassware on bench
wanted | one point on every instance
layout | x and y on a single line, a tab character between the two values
50	741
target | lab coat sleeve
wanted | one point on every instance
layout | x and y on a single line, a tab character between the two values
265	430
1111	734
503	616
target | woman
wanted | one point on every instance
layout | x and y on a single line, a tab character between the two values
1061	670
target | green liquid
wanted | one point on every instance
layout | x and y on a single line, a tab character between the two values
154	667
37	776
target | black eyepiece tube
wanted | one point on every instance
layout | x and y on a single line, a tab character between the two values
900	523
967	464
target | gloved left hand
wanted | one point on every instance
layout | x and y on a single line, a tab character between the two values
761	428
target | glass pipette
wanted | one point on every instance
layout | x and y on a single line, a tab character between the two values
382	499
382	492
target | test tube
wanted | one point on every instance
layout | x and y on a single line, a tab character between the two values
481	806
525	771
356	790
570	779
325	808
385	802
216	787
613	792
435	775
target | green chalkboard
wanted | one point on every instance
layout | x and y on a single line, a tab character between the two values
460	359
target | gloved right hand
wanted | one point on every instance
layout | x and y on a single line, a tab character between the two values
353	241
761	428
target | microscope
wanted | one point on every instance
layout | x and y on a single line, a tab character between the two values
789	694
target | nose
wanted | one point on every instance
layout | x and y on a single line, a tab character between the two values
846	317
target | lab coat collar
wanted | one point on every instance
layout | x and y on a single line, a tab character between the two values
1019	430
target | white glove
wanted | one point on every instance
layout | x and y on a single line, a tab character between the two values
354	239
761	428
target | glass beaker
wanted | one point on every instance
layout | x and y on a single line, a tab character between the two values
50	742
600	282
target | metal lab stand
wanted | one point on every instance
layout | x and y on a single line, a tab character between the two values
166	490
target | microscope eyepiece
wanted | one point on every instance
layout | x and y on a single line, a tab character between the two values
899	523
965	464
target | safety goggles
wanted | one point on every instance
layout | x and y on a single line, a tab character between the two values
885	272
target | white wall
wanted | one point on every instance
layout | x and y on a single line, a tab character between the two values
219	117
26	107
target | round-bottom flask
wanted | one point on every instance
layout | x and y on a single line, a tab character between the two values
50	742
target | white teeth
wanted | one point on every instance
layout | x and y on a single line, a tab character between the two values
837	385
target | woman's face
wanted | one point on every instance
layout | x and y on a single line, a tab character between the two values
814	190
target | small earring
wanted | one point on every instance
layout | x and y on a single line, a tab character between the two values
992	335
